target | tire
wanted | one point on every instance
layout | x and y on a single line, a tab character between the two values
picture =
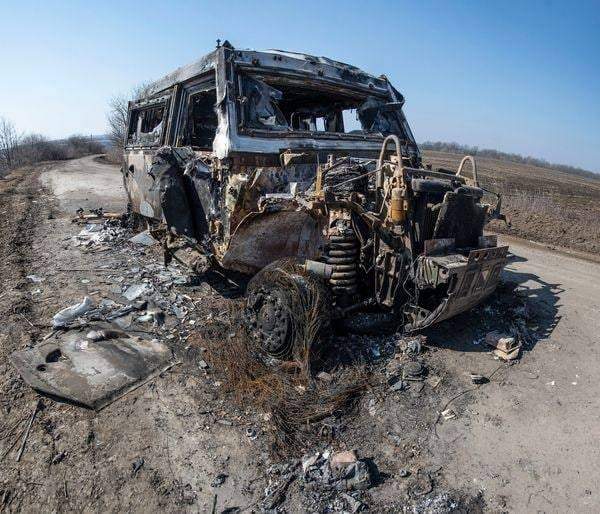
287	311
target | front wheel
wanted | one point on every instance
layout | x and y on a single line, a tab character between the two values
287	310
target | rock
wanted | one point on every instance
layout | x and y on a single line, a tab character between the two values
137	465
356	477
341	460
219	480
354	505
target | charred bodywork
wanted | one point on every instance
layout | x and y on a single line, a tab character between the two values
252	157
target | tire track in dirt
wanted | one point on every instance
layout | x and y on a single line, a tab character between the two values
22	206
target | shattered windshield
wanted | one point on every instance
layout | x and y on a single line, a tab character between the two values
282	105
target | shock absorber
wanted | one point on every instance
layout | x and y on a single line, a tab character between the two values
342	254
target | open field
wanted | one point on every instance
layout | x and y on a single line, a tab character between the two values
543	205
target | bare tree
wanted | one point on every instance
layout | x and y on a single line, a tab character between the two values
117	120
9	144
117	115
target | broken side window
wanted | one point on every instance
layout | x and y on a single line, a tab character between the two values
200	120
146	125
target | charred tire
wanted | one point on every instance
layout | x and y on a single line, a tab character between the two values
287	310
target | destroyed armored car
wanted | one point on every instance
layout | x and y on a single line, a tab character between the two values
303	172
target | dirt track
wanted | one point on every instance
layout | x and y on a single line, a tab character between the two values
526	442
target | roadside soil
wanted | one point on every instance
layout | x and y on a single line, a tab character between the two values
524	442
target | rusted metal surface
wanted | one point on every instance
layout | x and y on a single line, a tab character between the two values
471	282
252	157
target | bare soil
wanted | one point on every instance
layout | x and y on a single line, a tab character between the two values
523	442
541	204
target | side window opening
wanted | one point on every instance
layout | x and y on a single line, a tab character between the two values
260	103
146	125
200	120
351	121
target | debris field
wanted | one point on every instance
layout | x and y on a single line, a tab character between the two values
209	425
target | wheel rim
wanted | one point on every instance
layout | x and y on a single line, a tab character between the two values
270	320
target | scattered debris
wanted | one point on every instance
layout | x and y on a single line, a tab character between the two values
399	385
505	347
354	505
478	379
342	459
36	409
448	414
137	465
323	375
144	239
58	457
95	214
219	480
89	372
135	291
413	370
340	471
96	236
68	314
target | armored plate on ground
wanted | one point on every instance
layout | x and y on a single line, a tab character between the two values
91	373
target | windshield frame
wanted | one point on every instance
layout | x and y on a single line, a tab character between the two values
320	83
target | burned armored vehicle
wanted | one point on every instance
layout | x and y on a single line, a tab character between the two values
303	172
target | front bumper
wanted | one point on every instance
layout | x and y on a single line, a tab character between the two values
470	280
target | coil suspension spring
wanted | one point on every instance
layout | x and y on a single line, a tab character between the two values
343	256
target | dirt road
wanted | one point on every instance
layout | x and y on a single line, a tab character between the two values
532	438
525	442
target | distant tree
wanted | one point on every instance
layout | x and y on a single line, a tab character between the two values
79	145
457	148
34	148
9	144
117	116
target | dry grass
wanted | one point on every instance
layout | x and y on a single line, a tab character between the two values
292	400
287	391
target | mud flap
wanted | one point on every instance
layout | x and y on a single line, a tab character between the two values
470	284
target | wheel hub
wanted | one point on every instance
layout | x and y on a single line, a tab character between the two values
270	321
